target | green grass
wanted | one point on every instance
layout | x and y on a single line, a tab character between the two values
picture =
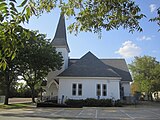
16	106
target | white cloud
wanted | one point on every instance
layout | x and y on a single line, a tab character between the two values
144	38
152	7
129	49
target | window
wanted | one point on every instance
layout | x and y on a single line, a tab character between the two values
74	86
98	89
77	89
104	90
80	89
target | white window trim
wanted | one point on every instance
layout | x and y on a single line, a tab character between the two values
77	89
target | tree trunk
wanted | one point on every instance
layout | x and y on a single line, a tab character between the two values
7	84
33	94
6	95
148	96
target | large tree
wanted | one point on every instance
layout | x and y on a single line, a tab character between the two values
89	15
144	72
37	59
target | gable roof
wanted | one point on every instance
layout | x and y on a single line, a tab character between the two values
88	66
60	38
118	65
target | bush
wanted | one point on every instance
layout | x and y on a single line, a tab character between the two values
50	104
75	103
118	103
90	102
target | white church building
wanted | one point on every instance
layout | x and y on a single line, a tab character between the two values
87	77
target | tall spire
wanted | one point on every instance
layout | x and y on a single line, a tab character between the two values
60	38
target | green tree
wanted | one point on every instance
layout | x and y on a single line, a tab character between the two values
36	60
142	72
156	80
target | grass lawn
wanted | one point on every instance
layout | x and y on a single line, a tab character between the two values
16	105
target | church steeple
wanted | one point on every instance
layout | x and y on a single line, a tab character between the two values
60	38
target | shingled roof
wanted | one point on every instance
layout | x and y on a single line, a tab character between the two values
60	38
118	65
88	66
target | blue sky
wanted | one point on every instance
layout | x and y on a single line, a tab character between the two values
113	44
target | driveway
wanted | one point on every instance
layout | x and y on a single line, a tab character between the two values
108	113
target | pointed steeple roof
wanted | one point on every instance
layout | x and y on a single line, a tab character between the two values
89	66
60	38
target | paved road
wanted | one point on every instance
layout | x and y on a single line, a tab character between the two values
81	113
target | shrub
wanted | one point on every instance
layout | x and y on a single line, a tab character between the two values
75	103
90	102
50	104
106	102
118	103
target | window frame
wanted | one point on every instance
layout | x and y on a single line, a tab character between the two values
79	89
104	89
98	89
74	90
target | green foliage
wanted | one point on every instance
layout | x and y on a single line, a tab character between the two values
91	102
145	72
50	104
94	15
118	103
156	19
11	31
75	103
156	78
11	36
36	59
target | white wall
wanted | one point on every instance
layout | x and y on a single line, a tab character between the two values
64	53
127	89
88	88
52	75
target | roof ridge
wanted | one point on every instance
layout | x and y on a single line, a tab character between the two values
89	66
